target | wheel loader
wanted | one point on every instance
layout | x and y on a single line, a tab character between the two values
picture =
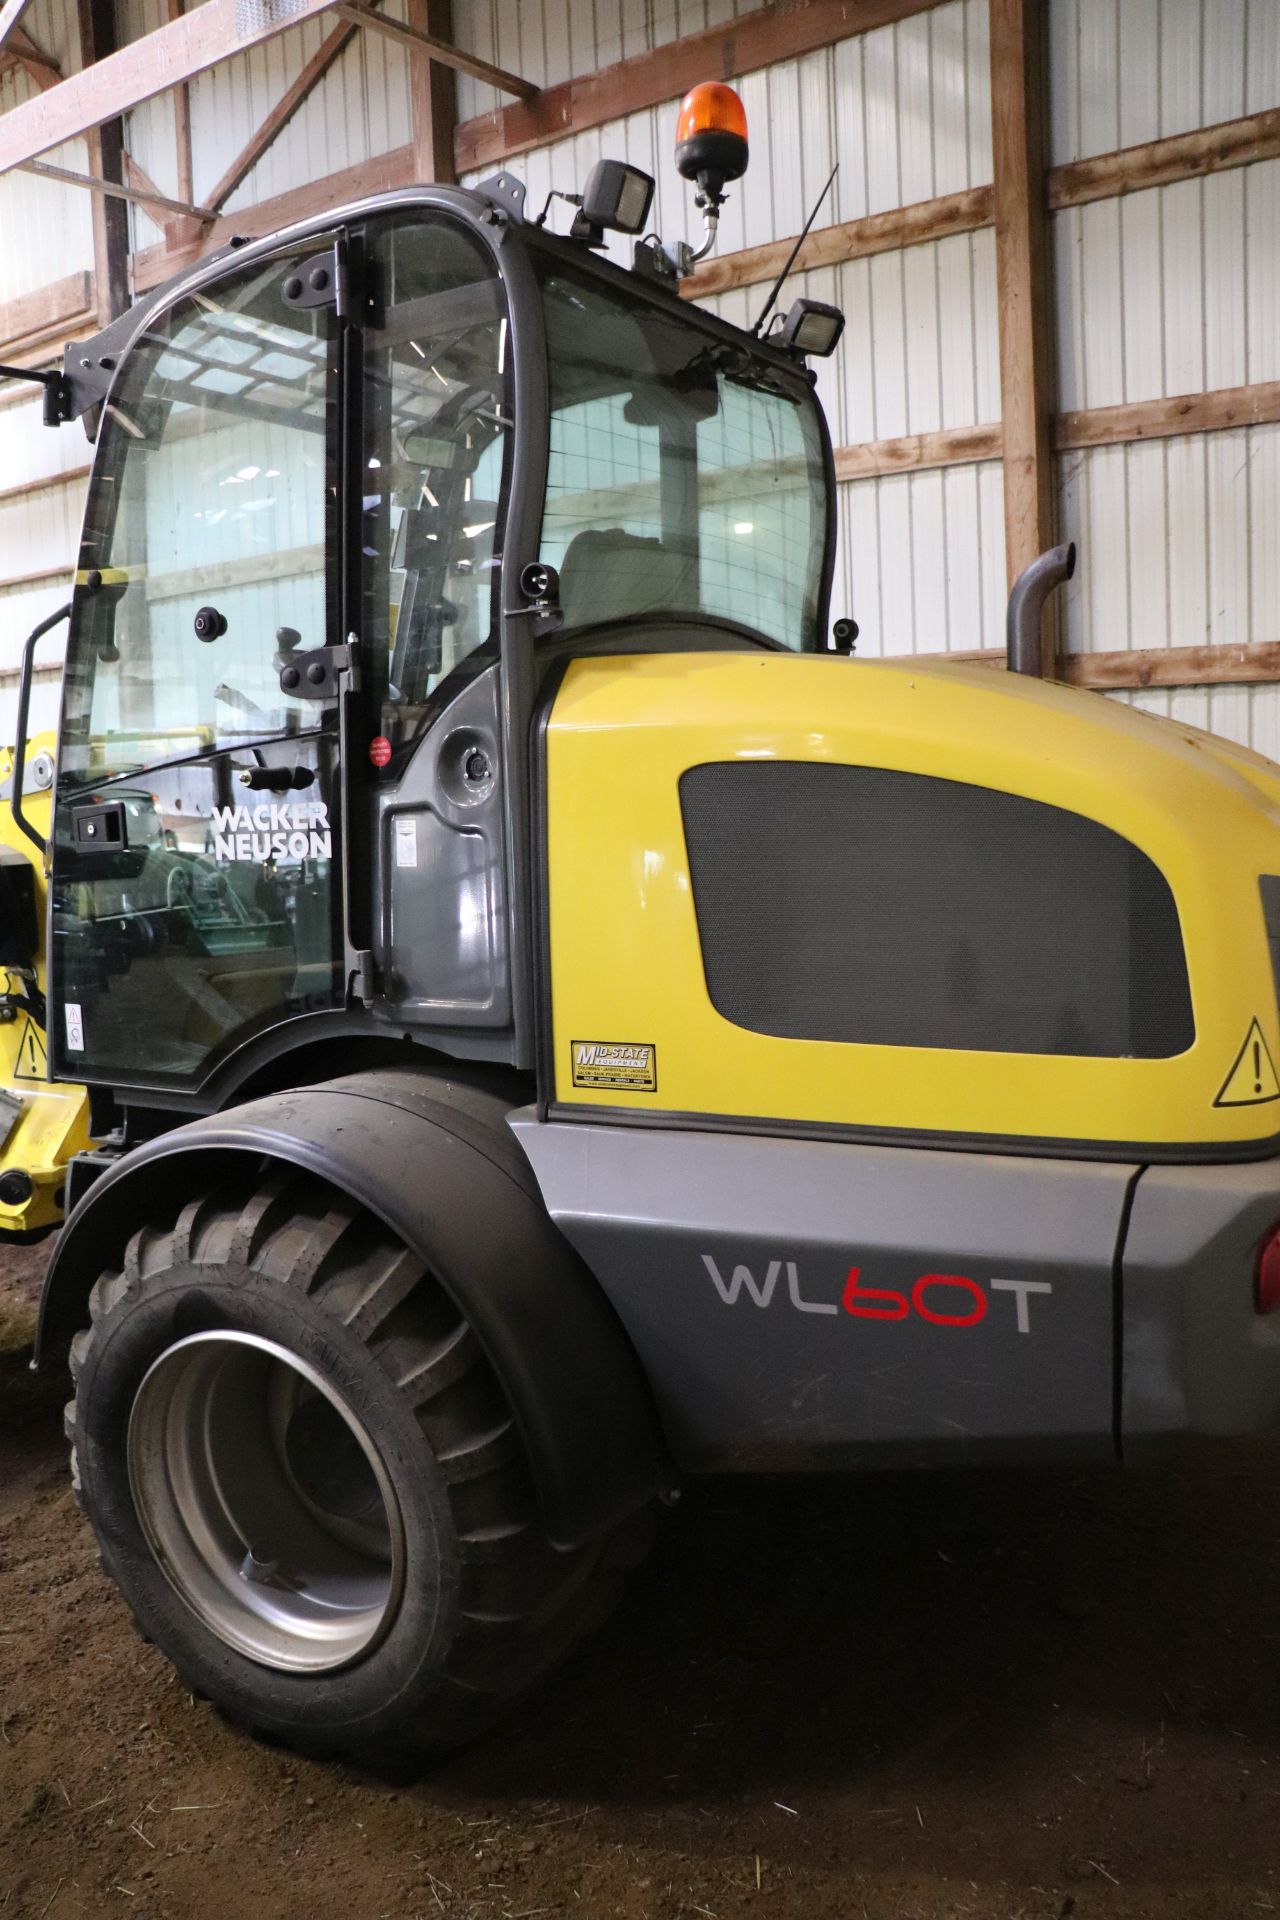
555	1022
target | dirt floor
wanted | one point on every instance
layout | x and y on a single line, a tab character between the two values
994	1695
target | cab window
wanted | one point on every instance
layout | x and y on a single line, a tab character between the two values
437	445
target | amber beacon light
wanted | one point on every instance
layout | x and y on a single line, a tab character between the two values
711	139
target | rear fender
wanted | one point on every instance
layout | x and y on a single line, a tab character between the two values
437	1163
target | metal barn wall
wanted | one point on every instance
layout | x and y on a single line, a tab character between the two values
46	229
905	112
1159	293
1170	291
359	109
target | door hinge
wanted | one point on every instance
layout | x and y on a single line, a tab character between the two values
313	675
320	281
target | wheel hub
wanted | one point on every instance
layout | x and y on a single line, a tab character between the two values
266	1502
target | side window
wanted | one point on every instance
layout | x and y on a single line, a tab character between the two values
892	909
212	490
437	441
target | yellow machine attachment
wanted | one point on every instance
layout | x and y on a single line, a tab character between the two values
42	1125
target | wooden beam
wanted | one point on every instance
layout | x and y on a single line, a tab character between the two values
38	578
281	114
113	85
782	31
1233	143
10	14
912	226
46	483
140	196
50	313
1158	163
1174	667
1025	314
182	124
379	175
1213	412
880	232
440	49
1134	669
433	95
915	452
104	145
24	52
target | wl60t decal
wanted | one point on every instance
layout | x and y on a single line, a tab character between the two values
943	1299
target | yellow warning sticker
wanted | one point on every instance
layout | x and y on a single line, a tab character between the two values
32	1063
1252	1078
615	1063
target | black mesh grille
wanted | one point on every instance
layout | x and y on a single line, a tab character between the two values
1269	887
857	904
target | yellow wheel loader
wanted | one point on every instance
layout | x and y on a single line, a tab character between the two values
555	1024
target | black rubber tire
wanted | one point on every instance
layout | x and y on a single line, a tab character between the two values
489	1604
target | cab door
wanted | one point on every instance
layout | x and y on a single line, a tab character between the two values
197	894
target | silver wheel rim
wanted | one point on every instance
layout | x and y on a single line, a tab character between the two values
266	1502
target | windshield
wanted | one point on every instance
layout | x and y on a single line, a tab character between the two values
685	474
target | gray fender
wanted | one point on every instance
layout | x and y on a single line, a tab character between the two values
437	1162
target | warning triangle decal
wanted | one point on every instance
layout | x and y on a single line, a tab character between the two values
32	1059
1252	1079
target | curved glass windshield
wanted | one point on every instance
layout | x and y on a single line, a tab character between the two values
685	474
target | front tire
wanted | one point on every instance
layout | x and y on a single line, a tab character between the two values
306	1480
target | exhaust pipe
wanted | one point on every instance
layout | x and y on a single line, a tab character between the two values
1026	606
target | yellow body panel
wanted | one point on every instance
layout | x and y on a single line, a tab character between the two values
625	958
54	1120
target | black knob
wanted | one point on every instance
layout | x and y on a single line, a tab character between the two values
476	766
319	279
287	638
290	677
210	624
316	673
93	579
844	633
293	288
15	1187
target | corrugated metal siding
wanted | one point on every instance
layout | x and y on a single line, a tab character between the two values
1169	291
1178	541
904	110
38	531
359	109
1161	293
1165	292
1124	71
47	228
564	38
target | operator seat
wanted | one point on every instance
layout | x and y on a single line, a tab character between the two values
608	572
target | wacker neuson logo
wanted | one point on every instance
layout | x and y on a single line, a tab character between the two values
615	1063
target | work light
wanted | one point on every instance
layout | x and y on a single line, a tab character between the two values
811	327
617	196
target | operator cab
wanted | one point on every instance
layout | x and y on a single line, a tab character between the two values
293	800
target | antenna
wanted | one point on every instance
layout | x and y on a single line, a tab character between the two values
776	288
